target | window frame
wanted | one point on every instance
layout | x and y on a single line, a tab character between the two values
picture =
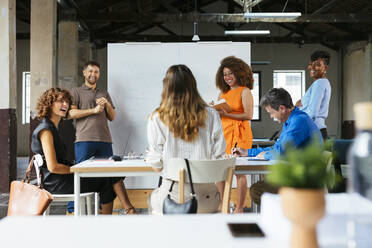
26	76
303	78
259	96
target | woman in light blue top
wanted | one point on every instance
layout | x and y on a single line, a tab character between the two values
315	102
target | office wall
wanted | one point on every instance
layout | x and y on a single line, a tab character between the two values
357	76
293	57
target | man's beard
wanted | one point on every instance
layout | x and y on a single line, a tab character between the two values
91	82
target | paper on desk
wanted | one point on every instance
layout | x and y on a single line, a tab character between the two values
108	163
244	160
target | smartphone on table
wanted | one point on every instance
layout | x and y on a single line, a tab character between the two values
251	230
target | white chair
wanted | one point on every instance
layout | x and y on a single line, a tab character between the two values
85	198
202	171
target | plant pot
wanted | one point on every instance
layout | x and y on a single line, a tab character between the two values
304	208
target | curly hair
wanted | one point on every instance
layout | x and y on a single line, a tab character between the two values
242	71
321	55
181	108
46	100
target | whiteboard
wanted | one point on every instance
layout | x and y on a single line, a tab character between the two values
135	81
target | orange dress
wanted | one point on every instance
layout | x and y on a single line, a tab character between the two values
236	131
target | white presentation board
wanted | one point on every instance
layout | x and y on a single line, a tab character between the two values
135	81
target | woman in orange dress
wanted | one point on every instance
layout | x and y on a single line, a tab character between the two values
235	80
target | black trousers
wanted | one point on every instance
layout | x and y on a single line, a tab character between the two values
65	185
324	133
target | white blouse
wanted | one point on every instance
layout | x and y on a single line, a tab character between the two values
210	143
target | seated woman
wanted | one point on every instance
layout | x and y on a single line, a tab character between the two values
183	126
52	106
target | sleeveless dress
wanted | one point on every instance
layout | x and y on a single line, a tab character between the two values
64	183
236	131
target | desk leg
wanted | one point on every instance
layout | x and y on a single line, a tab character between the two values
77	193
254	179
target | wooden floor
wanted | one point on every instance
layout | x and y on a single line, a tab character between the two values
138	197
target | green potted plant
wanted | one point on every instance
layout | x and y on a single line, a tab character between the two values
303	175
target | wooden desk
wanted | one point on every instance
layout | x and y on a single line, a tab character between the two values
107	168
129	168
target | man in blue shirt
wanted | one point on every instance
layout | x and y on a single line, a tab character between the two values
298	130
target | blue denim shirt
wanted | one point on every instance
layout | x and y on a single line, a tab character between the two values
298	130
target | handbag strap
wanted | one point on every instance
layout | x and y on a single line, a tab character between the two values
28	173
189	173
29	170
190	179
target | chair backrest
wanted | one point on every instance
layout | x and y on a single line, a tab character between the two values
202	171
340	148
38	162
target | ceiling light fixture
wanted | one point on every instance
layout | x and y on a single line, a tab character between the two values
196	36
272	15
247	32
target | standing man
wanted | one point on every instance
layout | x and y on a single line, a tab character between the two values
92	107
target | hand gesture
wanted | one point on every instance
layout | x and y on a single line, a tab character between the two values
298	103
222	112
101	101
99	108
261	155
239	152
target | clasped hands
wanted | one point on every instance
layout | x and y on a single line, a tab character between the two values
101	103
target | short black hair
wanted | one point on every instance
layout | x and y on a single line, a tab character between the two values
321	55
276	97
92	63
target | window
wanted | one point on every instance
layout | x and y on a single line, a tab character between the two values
26	94
256	96
292	81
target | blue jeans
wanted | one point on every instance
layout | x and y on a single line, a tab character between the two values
87	149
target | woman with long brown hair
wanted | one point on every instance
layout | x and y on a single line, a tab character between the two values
52	106
183	126
234	79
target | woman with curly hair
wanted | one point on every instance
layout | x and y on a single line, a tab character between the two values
52	106
234	78
183	126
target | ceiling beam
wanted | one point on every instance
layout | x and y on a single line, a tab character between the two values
272	39
223	18
99	6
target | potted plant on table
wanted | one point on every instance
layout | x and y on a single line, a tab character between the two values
303	175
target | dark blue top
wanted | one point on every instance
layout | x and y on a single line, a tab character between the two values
298	130
52	182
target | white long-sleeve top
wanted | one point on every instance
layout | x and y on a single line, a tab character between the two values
210	143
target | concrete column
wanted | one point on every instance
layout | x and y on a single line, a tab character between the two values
8	99
42	48
42	52
85	54
68	49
